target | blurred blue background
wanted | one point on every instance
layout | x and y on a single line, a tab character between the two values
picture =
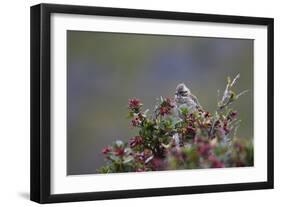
104	70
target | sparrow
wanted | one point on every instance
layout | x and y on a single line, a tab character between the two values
184	98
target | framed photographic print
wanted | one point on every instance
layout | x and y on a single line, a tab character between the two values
132	103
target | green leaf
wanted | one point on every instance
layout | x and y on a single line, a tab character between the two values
119	143
113	157
130	114
128	159
184	111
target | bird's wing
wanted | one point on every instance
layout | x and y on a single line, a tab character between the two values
194	98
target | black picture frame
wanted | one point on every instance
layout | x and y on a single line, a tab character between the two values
40	184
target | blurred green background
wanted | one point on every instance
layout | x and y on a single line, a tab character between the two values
105	69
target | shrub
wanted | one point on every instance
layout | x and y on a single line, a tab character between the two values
173	137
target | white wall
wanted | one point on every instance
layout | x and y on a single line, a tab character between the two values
14	101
